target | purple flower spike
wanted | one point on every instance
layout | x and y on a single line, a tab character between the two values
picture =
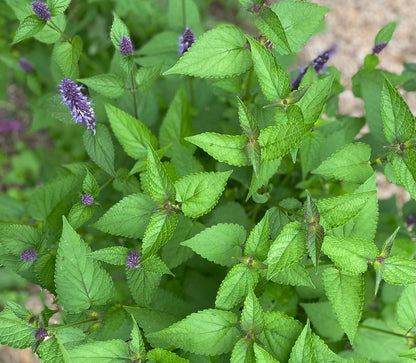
186	40
7	126
41	333
28	255
25	65
319	63
379	47
41	10
87	199
256	8
79	104
133	259
126	46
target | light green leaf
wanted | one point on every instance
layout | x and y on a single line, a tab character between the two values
129	217
80	280
288	248
309	348
161	226
108	85
225	148
208	332
294	275
18	237
385	33
276	141
405	308
147	76
159	355
160	186
404	168
235	286
142	284
399	271
28	27
100	148
115	255
398	121
136	344
247	121
90	185
53	351
155	265
315	99
350	163
80	214
263	356
109	351
15	332
118	31
273	79
199	192
300	20
66	55
270	26
252	319
220	243
258	241
351	254
346	295
218	53
58	6
243	352
133	136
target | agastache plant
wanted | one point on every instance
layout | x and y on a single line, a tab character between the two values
212	214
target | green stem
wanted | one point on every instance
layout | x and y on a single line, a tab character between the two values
287	210
133	93
106	183
382	331
74	324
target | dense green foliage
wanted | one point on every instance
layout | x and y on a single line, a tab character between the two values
215	212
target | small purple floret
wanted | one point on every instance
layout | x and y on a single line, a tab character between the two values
256	8
411	220
41	10
87	199
402	146
79	104
41	333
379	47
380	259
295	83
126	46
133	259
186	40
319	63
25	65
249	336
28	255
7	126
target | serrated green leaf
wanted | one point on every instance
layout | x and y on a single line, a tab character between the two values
388	244
133	136
315	99
300	20
266	170
108	85
276	141
263	356
53	351
219	243
270	26
399	271
247	121
100	148
80	280
199	193
309	348
136	344
405	308
314	238
252	319
115	255
294	275
404	168
17	237
337	211
45	271
155	265
147	76
161	226
118	31
311	210
385	33
218	53
398	121
58	6
225	148
66	55
258	241
273	79
129	217
159	355
350	163
243	352
142	284
28	27
109	351
280	333
288	248
15	332
351	254
235	286
161	187
80	214
208	332
345	292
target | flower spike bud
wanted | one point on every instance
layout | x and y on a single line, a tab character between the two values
319	63
79	104
133	259
28	255
379	47
126	46
41	333
41	10
186	40
26	66
87	199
